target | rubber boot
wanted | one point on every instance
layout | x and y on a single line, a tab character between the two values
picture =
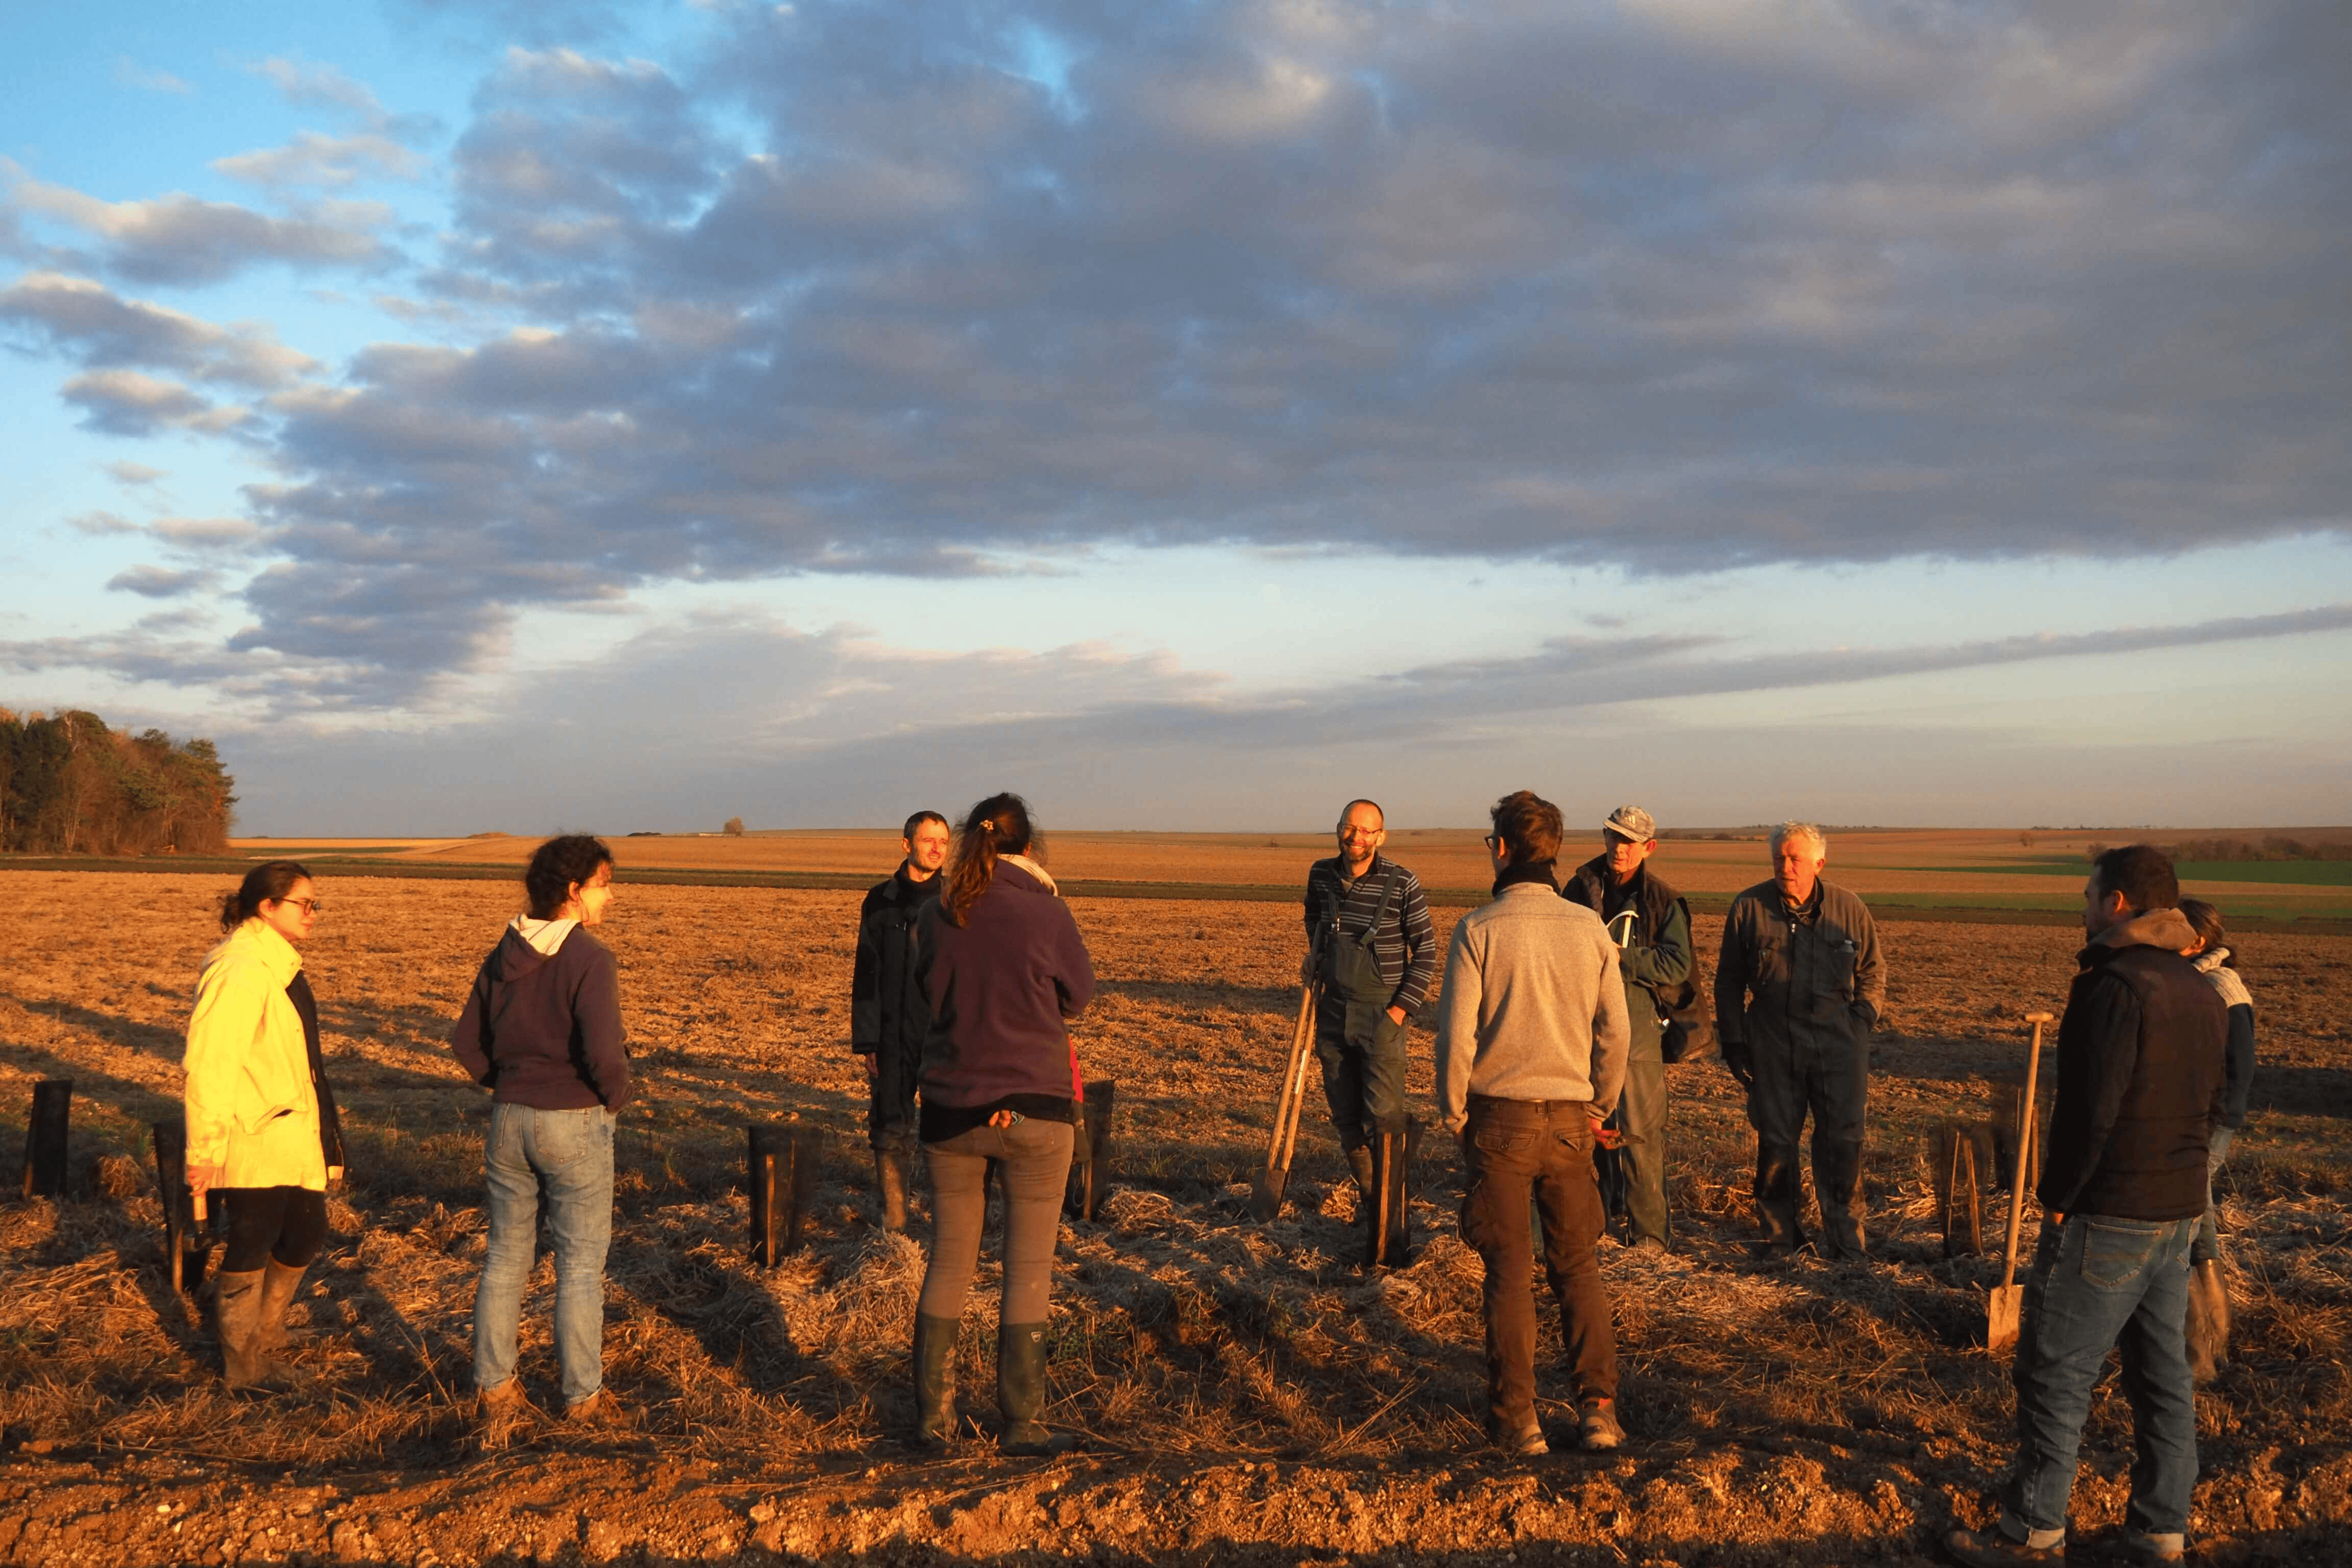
2208	1320
891	1182
279	1285
1360	1165
237	1315
1837	1188
935	1412
1021	1393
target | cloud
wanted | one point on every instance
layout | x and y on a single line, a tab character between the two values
158	583
125	472
312	85
312	159
130	403
100	524
102	329
178	238
128	72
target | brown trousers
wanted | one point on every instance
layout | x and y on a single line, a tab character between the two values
1514	1148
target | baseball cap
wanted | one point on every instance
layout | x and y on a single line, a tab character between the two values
1632	822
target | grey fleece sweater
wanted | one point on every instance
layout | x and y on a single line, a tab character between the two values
1533	1006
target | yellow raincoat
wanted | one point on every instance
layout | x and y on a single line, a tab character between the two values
250	1104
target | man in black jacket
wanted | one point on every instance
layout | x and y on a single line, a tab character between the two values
888	1013
1651	925
2141	1075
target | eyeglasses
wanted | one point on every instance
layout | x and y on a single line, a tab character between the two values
307	906
1491	840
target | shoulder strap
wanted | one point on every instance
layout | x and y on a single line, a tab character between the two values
1387	896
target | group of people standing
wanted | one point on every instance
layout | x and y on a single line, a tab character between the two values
1559	997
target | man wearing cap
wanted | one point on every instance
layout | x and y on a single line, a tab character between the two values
1369	936
1798	989
1651	925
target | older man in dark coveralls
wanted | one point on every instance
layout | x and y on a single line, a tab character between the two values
1800	988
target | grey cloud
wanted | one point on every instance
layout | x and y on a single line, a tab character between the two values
100	524
1677	289
314	85
123	471
312	159
159	582
102	329
178	238
130	403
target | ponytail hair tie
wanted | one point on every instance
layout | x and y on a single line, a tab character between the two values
988	828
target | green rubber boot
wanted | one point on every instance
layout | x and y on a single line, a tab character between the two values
935	1415
1021	1393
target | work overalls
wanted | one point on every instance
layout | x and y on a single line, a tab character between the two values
1361	1048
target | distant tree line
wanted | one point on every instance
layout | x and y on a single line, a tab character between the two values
2272	847
69	784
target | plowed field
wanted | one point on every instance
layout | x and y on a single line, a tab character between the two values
1248	1393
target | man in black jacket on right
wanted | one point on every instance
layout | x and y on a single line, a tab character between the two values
888	1013
2140	1084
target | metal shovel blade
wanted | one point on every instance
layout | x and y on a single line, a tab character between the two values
2001	1316
1267	1185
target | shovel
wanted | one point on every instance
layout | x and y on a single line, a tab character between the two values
1267	1183
2001	1306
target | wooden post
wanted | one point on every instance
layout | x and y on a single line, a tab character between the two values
1090	1160
45	1138
1387	1242
1963	1197
776	1169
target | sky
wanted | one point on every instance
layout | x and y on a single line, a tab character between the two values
512	416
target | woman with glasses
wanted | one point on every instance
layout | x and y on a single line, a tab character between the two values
541	1030
263	1141
1003	967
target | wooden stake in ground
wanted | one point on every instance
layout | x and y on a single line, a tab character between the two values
2000	1309
1268	1183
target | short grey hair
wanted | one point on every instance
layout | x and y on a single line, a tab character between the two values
1807	831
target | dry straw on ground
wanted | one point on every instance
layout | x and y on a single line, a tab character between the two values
1248	1393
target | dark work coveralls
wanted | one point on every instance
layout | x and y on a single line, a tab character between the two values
1379	951
1796	995
888	1013
1657	966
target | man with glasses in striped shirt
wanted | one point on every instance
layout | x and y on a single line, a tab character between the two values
1369	937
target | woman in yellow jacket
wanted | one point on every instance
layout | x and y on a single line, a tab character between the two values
262	1136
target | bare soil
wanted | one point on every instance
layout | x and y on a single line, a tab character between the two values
1248	1393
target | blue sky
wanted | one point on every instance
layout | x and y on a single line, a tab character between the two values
504	415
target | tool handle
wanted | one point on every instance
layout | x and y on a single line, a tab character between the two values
2024	1148
1299	1075
1286	1099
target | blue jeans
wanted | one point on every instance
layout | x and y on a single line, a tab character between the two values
2098	1283
2207	1249
568	1155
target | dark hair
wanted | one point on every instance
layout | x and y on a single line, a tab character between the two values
555	865
2206	921
1001	824
268	883
1528	826
1360	800
2142	873
919	818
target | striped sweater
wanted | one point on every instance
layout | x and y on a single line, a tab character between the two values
1406	943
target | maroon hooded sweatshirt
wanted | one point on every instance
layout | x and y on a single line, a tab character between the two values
1000	986
546	1032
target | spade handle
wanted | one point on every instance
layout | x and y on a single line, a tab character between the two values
2025	1147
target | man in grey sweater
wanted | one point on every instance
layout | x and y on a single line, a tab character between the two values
1531	1052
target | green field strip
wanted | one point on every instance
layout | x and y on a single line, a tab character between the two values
2288	873
2329	919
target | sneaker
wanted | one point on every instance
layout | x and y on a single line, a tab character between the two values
599	1410
506	1399
1596	1426
1992	1548
1528	1444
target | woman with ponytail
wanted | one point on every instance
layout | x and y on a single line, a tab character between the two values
1004	970
2208	1295
263	1141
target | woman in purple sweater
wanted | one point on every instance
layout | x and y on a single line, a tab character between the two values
1003	968
541	1030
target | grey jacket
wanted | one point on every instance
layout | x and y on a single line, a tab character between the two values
1533	1006
1813	975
